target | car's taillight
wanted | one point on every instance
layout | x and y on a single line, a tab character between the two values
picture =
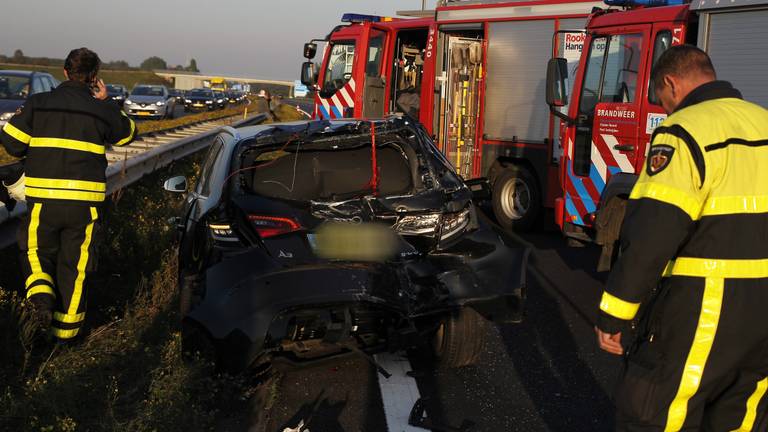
270	226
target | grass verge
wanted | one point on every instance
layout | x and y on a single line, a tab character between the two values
128	373
128	78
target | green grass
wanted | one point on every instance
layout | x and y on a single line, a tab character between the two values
125	77
128	374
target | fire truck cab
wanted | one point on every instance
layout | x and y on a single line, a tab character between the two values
370	66
473	76
613	111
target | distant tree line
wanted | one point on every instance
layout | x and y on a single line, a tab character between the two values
150	63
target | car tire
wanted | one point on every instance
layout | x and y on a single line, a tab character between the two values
516	198
460	339
169	114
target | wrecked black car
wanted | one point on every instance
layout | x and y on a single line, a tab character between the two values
312	239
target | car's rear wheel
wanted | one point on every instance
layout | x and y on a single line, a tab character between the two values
516	198
460	339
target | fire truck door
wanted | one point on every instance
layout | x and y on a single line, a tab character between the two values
608	122
461	101
375	84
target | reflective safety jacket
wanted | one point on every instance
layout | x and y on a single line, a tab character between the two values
63	134
700	208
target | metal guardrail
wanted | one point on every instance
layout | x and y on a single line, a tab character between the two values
129	164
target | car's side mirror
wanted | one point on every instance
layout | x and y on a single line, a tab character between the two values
308	74
176	184
481	189
557	73
310	50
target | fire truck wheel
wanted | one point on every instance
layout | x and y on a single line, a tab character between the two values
516	198
460	339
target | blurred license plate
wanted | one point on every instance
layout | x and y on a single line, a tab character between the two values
353	242
197	105
145	113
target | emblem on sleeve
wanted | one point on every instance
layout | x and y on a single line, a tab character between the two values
658	158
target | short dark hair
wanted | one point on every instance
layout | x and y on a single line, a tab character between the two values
681	60
82	64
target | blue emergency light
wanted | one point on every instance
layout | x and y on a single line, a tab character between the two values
358	18
644	3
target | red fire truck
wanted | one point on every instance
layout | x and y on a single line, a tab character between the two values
473	75
613	111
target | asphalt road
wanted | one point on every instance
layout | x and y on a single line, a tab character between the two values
545	374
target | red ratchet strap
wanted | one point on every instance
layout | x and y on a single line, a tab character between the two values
374	183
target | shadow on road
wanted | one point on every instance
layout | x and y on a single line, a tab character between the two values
548	352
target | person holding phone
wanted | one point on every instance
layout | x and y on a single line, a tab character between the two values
62	136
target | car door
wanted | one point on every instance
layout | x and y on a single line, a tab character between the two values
607	128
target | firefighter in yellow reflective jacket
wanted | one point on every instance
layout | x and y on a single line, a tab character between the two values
695	255
62	136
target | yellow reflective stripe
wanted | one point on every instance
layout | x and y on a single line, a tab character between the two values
34	260
669	195
735	205
81	264
64	194
718	268
130	135
65	184
617	307
67	144
752	402
706	329
64	334
68	318
40	289
34	277
16	133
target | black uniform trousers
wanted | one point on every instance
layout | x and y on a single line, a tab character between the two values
58	243
701	359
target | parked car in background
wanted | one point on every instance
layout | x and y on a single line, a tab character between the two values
200	99
312	239
117	93
150	101
177	94
16	86
221	99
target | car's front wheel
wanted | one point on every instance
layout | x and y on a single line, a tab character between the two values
460	339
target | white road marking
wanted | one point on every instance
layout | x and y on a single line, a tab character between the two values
398	393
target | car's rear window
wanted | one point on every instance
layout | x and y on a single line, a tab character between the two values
14	86
329	174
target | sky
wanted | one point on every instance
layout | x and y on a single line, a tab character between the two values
253	38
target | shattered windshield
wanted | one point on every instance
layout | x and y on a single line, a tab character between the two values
305	174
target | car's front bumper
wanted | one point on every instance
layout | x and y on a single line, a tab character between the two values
139	110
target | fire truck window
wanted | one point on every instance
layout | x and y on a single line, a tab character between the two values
339	69
373	65
662	43
621	66
591	85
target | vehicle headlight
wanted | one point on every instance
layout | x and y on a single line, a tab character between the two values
128	101
209	102
424	224
187	101
453	224
159	103
6	116
220	100
117	97
444	226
